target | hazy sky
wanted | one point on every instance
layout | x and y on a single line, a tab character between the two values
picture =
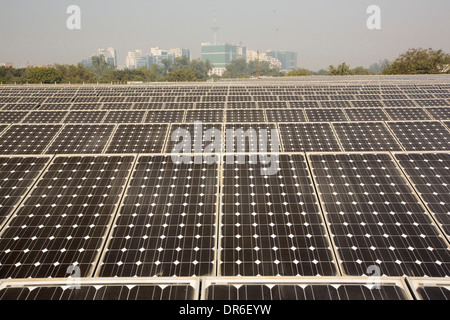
323	32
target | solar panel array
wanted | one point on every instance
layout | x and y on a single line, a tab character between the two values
90	191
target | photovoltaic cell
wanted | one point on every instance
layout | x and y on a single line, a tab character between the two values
271	224
12	116
138	138
304	292
305	137
434	292
85	117
245	115
376	221
365	136
421	136
81	139
45	117
63	221
105	291
429	172
407	114
18	174
166	225
325	115
285	115
27	139
366	114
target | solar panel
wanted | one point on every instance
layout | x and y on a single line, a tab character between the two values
367	104
431	289
407	114
85	117
184	136
429	174
138	138
124	116
285	115
377	222
18	174
54	106
363	114
208	115
399	103
432	103
19	106
166	116
442	113
245	115
144	289
27	139
365	136
45	117
148	105
306	137
271	224
254	137
81	139
63	221
12	116
325	115
335	104
421	136
166	226
86	106
295	290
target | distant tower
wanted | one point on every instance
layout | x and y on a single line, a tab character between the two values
215	28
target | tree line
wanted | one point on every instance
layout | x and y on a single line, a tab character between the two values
413	61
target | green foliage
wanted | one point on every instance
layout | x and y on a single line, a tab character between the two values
241	69
420	61
341	70
378	67
298	72
42	75
12	75
360	71
75	74
182	75
99	65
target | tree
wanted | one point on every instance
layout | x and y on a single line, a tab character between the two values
99	65
167	65
42	75
237	69
201	68
181	75
298	72
341	70
180	63
75	74
360	71
420	61
378	67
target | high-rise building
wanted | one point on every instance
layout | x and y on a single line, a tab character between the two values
220	54
136	59
253	55
180	52
133	59
288	59
110	55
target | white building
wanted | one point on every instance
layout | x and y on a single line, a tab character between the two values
110	55
133	59
253	55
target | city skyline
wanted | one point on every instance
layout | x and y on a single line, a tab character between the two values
322	33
